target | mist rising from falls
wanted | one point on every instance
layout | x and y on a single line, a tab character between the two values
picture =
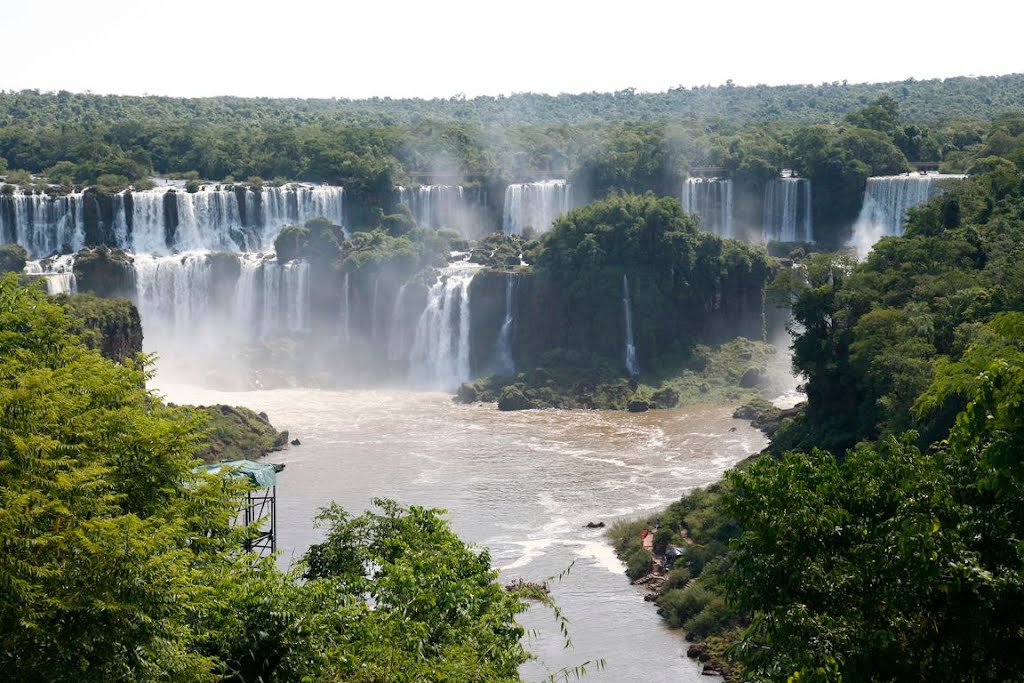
711	200
200	306
503	348
632	366
786	215
165	220
439	357
535	205
886	201
397	341
446	206
346	310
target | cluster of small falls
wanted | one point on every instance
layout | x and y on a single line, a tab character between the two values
786	214
165	220
203	272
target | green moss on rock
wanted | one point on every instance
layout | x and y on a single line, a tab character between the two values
239	433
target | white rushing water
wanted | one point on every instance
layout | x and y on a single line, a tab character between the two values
166	219
886	201
535	205
786	214
522	485
42	224
346	310
439	358
197	306
629	352
711	200
58	273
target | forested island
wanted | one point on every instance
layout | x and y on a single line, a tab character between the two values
607	251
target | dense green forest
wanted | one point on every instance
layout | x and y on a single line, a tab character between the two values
835	134
880	540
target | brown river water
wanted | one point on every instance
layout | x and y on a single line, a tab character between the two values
521	484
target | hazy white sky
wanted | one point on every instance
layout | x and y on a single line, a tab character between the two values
445	47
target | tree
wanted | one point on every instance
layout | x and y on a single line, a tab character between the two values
893	563
438	612
99	510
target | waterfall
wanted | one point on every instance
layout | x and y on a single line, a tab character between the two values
440	351
373	306
184	307
632	366
886	200
246	296
534	205
396	332
503	352
286	300
434	206
173	295
149	234
167	219
57	272
711	200
346	307
295	203
43	225
787	211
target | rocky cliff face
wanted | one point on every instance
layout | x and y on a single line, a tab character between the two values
547	318
105	272
110	325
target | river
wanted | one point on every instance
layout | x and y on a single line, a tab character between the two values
523	485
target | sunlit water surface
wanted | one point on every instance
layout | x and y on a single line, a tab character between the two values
521	484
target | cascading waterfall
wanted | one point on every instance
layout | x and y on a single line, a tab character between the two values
632	366
247	294
167	219
433	206
535	205
346	307
285	297
43	225
296	204
503	352
396	333
711	200
787	211
886	200
373	306
174	298
185	306
57	272
440	351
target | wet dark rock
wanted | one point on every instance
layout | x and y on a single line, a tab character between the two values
696	650
638	406
595	525
751	378
512	398
295	442
467	393
665	398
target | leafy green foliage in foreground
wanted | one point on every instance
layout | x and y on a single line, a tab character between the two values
894	564
117	561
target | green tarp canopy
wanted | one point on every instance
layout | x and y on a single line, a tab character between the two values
262	475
